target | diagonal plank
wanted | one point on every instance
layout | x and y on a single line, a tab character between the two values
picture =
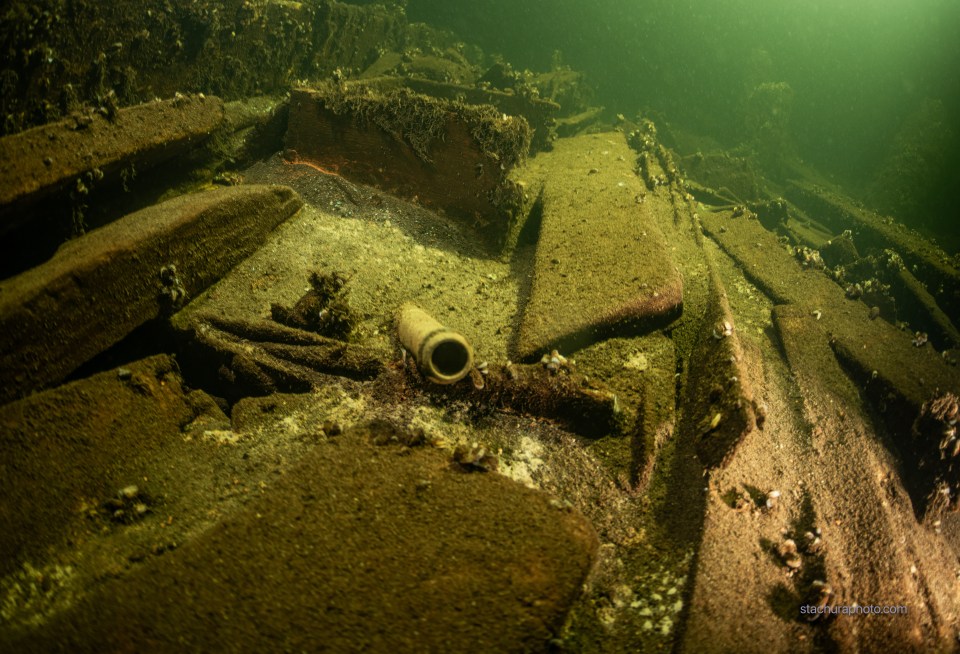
872	345
930	263
101	286
602	264
52	158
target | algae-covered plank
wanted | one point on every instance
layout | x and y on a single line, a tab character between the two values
538	111
445	155
719	394
99	287
766	260
343	536
81	440
602	263
88	148
929	262
873	348
915	300
641	370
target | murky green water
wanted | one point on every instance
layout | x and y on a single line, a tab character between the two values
858	70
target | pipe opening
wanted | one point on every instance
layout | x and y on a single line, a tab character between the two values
450	357
444	356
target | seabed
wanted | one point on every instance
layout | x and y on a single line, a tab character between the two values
710	402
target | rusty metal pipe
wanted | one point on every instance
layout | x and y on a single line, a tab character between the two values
444	356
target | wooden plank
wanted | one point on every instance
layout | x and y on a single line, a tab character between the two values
75	442
602	264
835	481
656	411
719	392
920	308
539	112
101	286
926	260
89	149
326	564
873	345
237	357
447	156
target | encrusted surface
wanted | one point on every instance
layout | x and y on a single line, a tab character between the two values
446	155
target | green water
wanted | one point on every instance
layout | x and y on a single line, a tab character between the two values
858	68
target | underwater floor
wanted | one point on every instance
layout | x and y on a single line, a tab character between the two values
397	372
340	499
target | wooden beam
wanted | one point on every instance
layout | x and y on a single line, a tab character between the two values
87	149
446	156
101	286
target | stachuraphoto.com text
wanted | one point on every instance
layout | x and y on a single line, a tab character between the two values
813	611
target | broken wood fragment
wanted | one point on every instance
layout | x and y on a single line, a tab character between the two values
240	358
656	413
918	307
586	407
577	123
